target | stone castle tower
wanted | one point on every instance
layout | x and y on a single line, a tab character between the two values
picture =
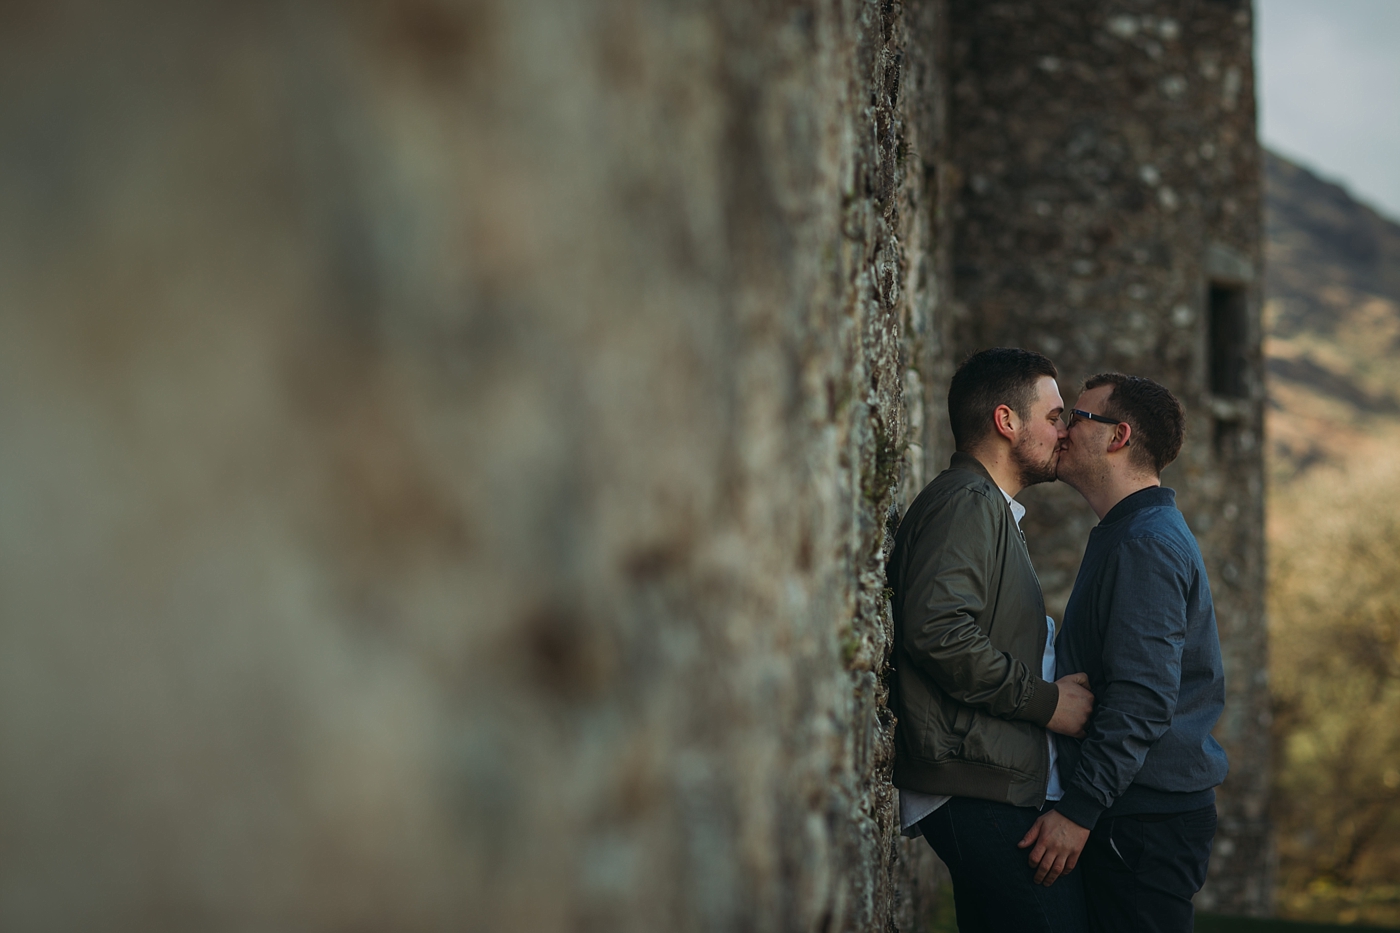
452	444
1110	216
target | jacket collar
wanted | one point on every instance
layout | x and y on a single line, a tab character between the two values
962	461
1151	497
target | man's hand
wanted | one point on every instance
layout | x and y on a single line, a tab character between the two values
1058	840
1076	703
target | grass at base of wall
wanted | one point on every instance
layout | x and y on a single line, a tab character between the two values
1212	923
945	920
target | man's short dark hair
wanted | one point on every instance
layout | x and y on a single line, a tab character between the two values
1003	376
1156	417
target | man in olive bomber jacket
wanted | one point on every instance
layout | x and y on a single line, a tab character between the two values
974	653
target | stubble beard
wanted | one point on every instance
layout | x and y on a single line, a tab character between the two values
1033	471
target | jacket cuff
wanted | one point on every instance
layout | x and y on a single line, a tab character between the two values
1080	807
1040	707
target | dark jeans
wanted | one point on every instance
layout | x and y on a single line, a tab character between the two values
992	879
1140	872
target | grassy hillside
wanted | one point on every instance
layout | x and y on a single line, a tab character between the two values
1333	321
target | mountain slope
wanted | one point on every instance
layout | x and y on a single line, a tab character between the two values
1332	319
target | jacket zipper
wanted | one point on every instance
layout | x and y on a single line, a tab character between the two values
1045	788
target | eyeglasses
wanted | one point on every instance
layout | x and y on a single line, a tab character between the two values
1073	413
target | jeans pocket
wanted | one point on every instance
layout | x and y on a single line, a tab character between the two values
1195	834
940	829
1127	839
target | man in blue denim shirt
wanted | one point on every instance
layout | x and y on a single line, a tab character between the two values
1138	814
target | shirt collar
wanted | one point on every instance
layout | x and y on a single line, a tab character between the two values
1142	499
1018	511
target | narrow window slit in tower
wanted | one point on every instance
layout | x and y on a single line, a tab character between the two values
1228	362
1228	341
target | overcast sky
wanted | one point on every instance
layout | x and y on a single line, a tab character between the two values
1329	91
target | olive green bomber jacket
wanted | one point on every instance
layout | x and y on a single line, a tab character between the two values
969	621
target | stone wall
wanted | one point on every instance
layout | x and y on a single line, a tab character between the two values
448	454
1110	175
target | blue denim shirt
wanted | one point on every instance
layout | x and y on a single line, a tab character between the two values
1141	624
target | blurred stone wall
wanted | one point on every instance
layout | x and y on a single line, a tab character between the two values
448	449
1109	175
